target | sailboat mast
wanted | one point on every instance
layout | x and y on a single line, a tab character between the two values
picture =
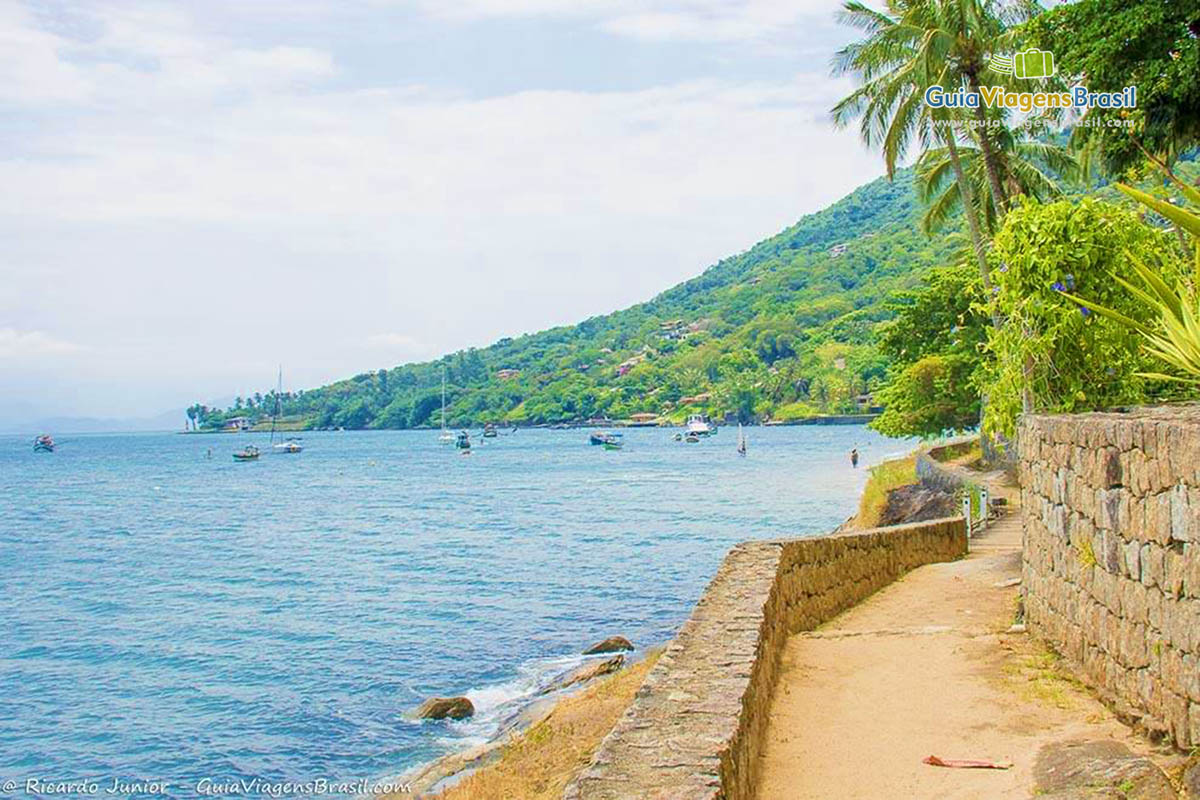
443	397
275	414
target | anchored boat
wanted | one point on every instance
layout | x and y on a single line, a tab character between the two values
247	453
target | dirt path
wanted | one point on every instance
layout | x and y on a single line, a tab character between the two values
925	667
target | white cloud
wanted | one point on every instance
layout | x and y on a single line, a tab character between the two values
18	345
202	207
656	20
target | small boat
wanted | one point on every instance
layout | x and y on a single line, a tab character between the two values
691	438
699	425
43	444
600	437
614	444
247	453
291	445
741	444
463	442
489	431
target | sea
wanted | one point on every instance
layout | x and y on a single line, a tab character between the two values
168	614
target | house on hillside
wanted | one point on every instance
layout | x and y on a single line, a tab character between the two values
507	374
838	249
238	424
643	419
673	329
630	363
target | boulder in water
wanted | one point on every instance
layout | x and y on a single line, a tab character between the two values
586	673
612	644
443	707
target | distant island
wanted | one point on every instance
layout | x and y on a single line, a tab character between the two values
782	332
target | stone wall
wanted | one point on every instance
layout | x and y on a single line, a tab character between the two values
936	475
695	729
1112	556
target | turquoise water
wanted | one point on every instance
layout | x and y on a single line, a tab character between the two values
170	617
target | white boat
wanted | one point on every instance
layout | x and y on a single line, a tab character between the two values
741	445
698	425
291	444
447	437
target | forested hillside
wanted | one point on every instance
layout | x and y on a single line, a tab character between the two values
781	331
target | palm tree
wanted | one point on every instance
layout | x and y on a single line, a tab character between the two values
904	54
1030	167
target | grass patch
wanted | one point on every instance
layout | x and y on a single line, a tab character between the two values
540	763
1041	677
884	478
961	453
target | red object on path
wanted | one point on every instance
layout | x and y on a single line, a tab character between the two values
959	763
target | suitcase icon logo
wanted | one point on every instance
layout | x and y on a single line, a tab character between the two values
1030	64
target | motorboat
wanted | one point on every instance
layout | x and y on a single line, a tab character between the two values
247	453
699	425
43	444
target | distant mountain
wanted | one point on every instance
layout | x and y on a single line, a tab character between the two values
780	331
166	421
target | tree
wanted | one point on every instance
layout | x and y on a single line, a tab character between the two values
918	45
1031	167
930	397
1111	44
934	345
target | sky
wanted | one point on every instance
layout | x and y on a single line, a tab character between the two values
197	193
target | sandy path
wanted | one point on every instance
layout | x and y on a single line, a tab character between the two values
922	668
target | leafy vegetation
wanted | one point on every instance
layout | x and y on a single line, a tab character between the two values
1151	44
1050	353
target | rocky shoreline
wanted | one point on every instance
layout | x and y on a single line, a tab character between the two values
606	658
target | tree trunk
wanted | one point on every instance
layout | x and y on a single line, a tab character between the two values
969	211
990	159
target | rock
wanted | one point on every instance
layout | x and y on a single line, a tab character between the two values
1191	781
1098	769
586	673
917	503
612	644
443	707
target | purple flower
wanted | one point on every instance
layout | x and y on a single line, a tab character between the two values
995	290
1058	287
1087	312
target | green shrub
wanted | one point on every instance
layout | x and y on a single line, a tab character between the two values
1050	353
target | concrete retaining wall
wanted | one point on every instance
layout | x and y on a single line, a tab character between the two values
695	729
1112	556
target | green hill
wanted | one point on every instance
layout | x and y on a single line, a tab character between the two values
781	331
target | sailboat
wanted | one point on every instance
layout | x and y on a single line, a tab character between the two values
292	444
447	437
741	445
